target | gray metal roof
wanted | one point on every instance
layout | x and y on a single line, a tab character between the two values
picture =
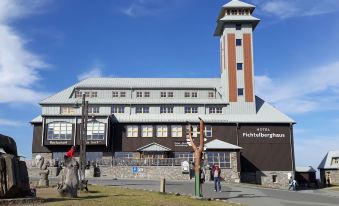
154	147
326	163
218	144
149	83
37	119
237	4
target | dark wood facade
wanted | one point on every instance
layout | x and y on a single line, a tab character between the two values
266	147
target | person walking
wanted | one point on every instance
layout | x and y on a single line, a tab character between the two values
292	184
216	177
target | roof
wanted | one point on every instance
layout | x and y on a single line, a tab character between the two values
305	169
237	4
154	147
235	19
63	97
37	119
218	144
326	163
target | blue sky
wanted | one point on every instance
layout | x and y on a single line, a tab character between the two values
46	46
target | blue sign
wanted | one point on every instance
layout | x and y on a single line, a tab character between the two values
135	170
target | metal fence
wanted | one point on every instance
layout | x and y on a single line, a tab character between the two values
127	162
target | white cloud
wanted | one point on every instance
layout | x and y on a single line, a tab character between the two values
292	8
5	122
95	72
308	90
137	8
19	67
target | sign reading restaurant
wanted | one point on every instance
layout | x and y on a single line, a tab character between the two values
262	133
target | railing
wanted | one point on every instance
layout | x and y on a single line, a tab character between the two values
149	162
126	162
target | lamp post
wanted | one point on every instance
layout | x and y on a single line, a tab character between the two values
83	137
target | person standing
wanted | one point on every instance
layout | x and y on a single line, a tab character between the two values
216	177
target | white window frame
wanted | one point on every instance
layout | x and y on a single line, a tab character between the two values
166	110
211	95
95	128
163	94
187	94
94	94
139	94
141	110
123	94
117	109
147	131
176	131
191	110
56	129
147	94
170	94
162	131
194	94
132	131
93	110
67	110
115	94
208	131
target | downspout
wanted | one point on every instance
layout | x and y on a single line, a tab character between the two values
43	131
292	148
75	130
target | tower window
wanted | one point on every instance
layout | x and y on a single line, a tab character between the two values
240	92
239	66
238	27
238	42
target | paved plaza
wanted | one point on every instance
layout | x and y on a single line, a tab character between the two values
244	194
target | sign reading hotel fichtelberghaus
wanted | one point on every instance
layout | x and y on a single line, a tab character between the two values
263	133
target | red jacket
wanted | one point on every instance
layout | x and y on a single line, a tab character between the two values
70	153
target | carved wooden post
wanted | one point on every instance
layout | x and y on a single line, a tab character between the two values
197	156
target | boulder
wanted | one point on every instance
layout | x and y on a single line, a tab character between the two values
69	178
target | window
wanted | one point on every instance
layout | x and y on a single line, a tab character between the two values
95	131
164	110
219	158
117	109
176	130
139	94
240	92
67	110
195	131
238	27
215	110
78	94
274	178
123	155
194	94
210	94
115	94
238	42
87	94
191	110
132	131
141	110
239	66
147	131
184	155
187	94
163	94
147	94
122	94
162	131
170	94
208	131
335	161
234	12
59	131
94	94
94	110
93	156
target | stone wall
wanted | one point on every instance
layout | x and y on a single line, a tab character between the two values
46	156
231	175
272	179
334	176
148	172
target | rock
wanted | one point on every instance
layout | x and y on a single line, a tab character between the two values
69	179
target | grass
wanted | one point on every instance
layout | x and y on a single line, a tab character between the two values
105	195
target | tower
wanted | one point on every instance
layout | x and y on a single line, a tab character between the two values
235	26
